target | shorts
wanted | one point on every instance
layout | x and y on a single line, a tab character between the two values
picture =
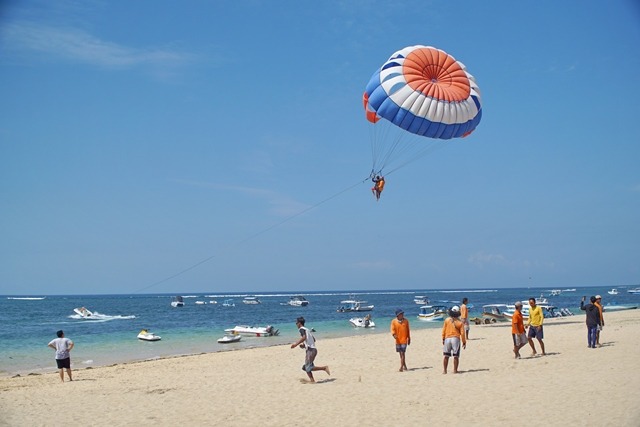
401	348
451	347
64	363
309	357
535	332
519	339
466	323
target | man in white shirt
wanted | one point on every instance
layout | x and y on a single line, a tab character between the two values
308	342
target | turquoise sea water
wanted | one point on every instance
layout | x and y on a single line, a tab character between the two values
29	324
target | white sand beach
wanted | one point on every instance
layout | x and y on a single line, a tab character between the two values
572	385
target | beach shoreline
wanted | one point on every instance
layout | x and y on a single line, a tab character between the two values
572	385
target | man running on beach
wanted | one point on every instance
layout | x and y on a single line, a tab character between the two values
308	342
402	334
535	326
517	330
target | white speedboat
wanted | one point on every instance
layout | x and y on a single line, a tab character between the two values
83	312
228	303
177	302
229	338
251	300
362	322
353	305
613	291
619	307
145	335
556	292
253	331
634	291
201	302
298	301
432	312
421	300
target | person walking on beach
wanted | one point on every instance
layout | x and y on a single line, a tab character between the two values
593	320
517	330
62	346
464	316
535	326
308	342
452	334
402	334
598	304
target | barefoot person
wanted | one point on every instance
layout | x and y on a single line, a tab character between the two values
452	333
402	334
62	346
535	326
517	330
308	342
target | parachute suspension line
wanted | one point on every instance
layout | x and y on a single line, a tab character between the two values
251	237
429	149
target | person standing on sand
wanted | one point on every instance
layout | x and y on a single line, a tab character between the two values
598	304
62	346
308	342
464	315
593	320
535	326
452	334
517	330
402	334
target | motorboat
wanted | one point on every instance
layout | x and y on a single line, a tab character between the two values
613	291
421	300
548	311
201	302
298	301
253	331
362	322
228	303
213	301
83	312
353	305
494	312
432	312
634	291
177	302
556	292
145	335
251	300
229	338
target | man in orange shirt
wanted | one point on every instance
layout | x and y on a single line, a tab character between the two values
598	304
402	334
452	333
517	330
464	315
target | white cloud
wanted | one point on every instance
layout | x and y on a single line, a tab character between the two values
78	45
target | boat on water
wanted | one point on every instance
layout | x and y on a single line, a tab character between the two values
228	303
297	301
229	338
634	291
619	307
201	302
253	331
548	310
27	298
83	312
178	301
251	300
362	322
613	291
145	335
421	300
432	312
353	304
556	292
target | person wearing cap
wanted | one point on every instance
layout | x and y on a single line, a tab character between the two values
598	304
452	334
308	342
402	334
593	320
535	326
517	330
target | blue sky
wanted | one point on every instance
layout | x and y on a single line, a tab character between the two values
138	139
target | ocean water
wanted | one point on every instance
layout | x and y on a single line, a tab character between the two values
29	324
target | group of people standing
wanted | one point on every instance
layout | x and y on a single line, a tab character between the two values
534	326
595	319
455	332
